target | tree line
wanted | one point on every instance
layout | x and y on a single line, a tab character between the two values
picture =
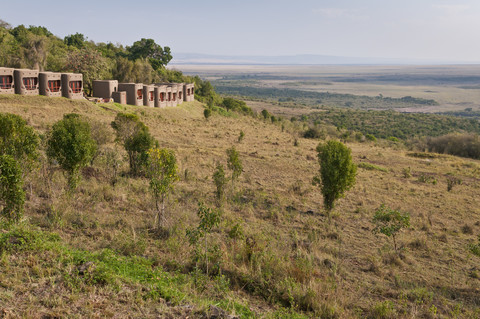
35	47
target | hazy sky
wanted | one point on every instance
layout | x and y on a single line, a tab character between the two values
419	29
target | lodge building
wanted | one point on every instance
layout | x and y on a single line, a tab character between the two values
70	85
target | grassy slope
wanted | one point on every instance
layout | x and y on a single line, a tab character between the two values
297	258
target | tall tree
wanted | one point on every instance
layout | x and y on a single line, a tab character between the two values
90	63
157	56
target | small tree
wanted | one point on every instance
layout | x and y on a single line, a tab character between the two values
12	196
17	138
234	164
163	174
207	112
135	138
337	172
220	181
390	222
209	218
70	143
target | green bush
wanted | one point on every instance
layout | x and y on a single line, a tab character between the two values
390	222
17	138
12	196
70	144
337	171
136	139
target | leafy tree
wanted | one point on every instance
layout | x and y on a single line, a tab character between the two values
234	164
70	144
209	218
147	49
136	139
12	196
163	174
390	222
337	172
90	63
220	181
265	114
17	138
76	40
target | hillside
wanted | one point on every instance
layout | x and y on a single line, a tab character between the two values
94	253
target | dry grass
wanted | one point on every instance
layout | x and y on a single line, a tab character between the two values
289	253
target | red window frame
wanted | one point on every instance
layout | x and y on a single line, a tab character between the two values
75	86
140	94
169	96
150	96
162	97
6	82
54	85
30	83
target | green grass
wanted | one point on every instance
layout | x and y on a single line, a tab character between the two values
371	167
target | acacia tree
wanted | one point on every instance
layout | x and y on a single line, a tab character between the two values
70	143
12	196
162	170
234	164
337	172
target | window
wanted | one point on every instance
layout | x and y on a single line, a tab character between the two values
162	97
169	96
75	86
179	95
54	86
30	83
174	96
6	81
140	94
150	96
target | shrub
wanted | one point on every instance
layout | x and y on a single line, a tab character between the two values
372	167
465	145
337	172
162	170
70	143
235	105
314	132
136	139
371	137
390	222
265	114
17	138
220	181
12	196
207	112
234	164
241	136
209	218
